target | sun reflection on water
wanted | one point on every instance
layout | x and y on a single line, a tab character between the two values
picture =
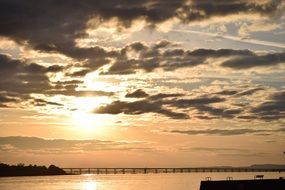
90	185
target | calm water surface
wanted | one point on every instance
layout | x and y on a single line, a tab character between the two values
185	181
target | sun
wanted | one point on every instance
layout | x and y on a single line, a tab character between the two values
88	104
83	118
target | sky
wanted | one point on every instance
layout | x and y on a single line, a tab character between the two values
145	83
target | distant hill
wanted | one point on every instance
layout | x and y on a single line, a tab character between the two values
30	170
268	166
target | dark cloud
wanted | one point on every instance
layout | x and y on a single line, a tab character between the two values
139	107
249	91
160	96
71	91
227	92
205	107
17	76
218	112
80	73
142	94
236	93
254	60
268	109
271	109
69	88
5	100
185	103
62	146
53	26
200	10
137	94
151	57
41	102
19	79
160	104
227	132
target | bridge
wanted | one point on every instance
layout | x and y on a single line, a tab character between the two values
166	170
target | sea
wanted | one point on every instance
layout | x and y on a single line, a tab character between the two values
162	181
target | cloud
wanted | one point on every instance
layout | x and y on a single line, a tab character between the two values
234	38
147	58
185	103
17	76
225	151
200	10
139	93
160	96
71	91
139	107
150	57
227	92
246	29
41	102
271	109
37	145
254	60
5	100
227	132
205	106
249	91
215	113
19	79
164	104
54	26
164	54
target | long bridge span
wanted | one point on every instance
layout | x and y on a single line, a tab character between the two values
166	170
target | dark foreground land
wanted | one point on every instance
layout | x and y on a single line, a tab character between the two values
260	184
30	170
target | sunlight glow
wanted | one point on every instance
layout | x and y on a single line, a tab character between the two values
88	104
88	121
95	82
90	185
83	117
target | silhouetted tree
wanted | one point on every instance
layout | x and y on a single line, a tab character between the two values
53	170
30	170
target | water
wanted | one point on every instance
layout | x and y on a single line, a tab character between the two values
183	181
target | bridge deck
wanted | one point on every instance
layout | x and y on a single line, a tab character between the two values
162	170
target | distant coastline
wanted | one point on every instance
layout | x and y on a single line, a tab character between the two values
34	170
29	170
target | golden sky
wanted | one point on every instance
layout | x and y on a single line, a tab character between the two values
145	83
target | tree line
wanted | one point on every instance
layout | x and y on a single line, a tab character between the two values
29	170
